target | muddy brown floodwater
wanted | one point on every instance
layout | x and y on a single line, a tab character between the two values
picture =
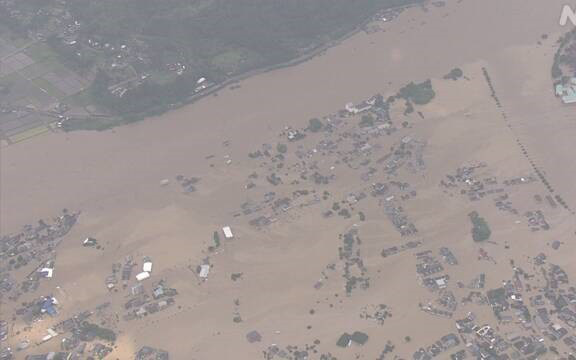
114	177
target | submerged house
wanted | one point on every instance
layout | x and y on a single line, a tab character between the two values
48	306
567	92
344	340
227	232
357	337
358	108
142	276
204	271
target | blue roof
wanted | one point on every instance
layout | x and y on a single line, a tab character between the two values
48	307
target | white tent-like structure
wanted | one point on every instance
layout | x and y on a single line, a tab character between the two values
227	232
142	276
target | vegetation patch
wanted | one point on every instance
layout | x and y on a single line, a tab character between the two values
565	58
315	125
480	229
146	57
419	94
454	74
282	148
91	331
366	121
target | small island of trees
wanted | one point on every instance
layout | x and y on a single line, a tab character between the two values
480	229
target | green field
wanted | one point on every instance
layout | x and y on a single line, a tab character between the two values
50	89
27	134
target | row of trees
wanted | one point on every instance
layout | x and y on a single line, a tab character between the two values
565	55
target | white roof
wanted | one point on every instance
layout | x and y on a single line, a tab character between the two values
204	271
441	281
227	232
47	271
142	276
147	266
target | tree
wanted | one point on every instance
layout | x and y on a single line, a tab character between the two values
556	71
409	108
282	148
454	74
90	330
366	121
419	94
315	125
480	229
379	101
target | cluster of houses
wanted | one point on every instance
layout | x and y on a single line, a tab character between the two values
346	340
445	343
139	305
146	270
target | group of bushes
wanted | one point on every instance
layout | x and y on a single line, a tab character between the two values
480	229
91	331
419	94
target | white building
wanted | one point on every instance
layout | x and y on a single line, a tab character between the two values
142	276
363	106
147	266
47	272
204	271
227	232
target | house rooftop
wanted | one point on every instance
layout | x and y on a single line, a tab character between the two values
344	341
359	338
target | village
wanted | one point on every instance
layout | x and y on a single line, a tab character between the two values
50	60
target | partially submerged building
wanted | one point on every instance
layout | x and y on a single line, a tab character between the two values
359	108
227	232
253	336
567	92
204	271
142	276
357	337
